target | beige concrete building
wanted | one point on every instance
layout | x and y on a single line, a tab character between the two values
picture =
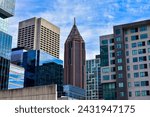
37	33
47	92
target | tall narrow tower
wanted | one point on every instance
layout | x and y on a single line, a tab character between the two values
74	59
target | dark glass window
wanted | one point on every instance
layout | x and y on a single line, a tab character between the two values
134	30
143	36
143	28
135	37
135	59
133	45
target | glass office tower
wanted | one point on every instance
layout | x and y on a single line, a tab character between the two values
40	68
7	8
16	77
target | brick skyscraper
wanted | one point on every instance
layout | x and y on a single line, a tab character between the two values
74	59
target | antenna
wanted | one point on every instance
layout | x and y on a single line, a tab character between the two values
74	21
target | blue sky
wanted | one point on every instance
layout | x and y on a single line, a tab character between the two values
94	17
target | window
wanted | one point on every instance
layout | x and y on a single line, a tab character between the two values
134	52
135	67
140	44
113	77
128	68
148	42
129	75
128	61
133	45
112	62
143	66
105	42
136	84
145	93
117	31
119	53
142	51
136	75
143	28
127	53
148	50
143	74
118	39
113	69
112	55
120	68
122	94
144	83
120	75
135	59
111	40
112	47
130	94
118	46
119	60
134	30
129	84
126	39
106	77
137	93
126	46
149	57
142	58
135	37
105	70
121	85
143	36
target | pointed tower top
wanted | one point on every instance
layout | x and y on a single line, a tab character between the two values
74	21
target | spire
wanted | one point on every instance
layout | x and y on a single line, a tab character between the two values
74	21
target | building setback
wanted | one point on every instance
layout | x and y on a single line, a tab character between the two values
125	63
39	34
74	59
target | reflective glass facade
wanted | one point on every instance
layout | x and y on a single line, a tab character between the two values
74	92
7	8
40	68
5	51
5	45
16	77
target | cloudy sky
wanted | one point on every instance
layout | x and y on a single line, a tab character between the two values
94	17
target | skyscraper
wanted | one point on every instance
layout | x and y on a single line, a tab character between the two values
6	10
74	59
125	62
39	34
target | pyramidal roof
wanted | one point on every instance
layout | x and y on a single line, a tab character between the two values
74	34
